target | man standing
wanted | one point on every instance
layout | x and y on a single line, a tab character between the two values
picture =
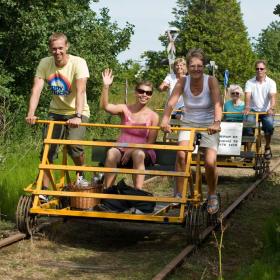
66	76
260	94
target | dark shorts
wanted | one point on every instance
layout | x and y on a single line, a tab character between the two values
65	132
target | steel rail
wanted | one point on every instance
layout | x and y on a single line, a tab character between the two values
180	258
20	236
12	239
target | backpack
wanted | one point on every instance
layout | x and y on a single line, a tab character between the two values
123	205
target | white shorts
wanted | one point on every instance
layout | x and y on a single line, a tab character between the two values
207	140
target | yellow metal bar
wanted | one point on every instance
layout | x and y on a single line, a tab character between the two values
29	187
113	196
198	175
39	182
107	215
64	162
119	145
120	125
112	170
50	204
250	113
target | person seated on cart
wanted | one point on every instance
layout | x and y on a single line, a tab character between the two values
180	70
203	108
236	105
136	114
260	96
66	76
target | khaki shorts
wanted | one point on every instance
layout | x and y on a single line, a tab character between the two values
65	132
207	140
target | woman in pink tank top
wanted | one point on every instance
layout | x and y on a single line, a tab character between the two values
136	114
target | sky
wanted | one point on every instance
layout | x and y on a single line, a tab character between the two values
151	18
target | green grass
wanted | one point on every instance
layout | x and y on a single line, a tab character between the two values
268	266
18	170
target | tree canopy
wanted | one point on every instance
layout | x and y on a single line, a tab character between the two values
218	28
268	45
26	25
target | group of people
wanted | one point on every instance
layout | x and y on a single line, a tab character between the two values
260	92
189	88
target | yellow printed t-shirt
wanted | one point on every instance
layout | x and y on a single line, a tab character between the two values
61	83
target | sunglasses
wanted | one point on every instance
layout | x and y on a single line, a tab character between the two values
235	93
257	69
142	91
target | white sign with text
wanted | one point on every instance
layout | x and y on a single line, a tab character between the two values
230	138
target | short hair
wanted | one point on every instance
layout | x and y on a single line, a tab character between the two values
235	88
145	83
197	53
58	35
263	61
178	61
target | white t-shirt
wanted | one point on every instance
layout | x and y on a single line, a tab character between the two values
260	93
171	80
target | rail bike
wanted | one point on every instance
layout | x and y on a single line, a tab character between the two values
68	200
252	158
251	149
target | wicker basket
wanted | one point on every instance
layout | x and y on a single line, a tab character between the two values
85	202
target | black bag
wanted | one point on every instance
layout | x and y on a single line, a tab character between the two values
123	205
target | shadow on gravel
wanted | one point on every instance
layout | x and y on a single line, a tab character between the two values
107	235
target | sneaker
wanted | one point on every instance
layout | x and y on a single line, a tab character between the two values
267	154
81	182
44	198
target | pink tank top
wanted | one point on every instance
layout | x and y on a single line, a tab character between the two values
134	135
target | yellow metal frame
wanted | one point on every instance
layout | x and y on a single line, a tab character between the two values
161	216
256	147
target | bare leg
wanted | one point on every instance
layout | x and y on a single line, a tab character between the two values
112	160
138	158
267	141
211	170
180	165
46	179
80	160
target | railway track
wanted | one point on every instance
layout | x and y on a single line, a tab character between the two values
182	256
10	240
187	251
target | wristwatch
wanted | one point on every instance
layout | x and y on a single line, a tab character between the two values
78	115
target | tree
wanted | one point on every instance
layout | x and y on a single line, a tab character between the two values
217	27
277	10
268	45
26	25
156	67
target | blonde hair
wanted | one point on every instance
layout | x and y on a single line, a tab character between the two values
178	61
58	35
235	88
